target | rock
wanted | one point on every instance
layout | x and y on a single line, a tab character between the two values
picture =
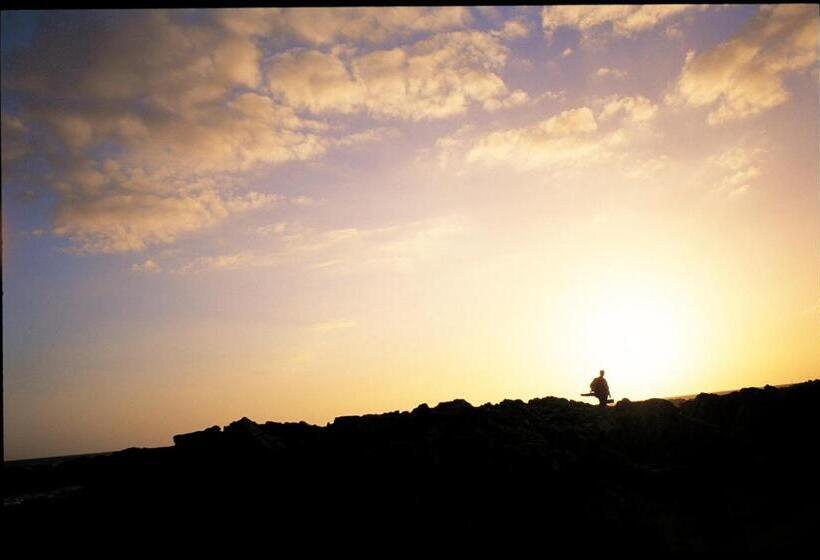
200	440
453	406
247	435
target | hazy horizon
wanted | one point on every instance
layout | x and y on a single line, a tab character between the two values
299	214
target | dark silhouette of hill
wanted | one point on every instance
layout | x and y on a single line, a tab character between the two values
735	473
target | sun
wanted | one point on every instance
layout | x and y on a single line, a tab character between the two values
641	339
641	335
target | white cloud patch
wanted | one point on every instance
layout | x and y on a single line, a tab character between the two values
565	138
434	78
149	265
610	73
621	20
567	52
745	75
513	29
217	262
623	134
321	26
633	109
516	98
736	169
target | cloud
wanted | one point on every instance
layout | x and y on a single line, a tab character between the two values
516	98
114	222
322	26
379	134
623	135
433	78
302	200
218	262
13	138
745	75
150	125
673	32
633	109
735	169
400	247
315	81
564	138
646	167
152	55
567	52
610	72
148	265
513	29
335	325
621	20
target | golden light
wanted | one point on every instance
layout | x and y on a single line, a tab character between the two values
641	333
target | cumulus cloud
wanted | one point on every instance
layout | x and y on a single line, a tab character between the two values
623	134
516	98
745	75
152	55
564	138
621	20
150	123
115	222
320	26
432	78
633	109
513	29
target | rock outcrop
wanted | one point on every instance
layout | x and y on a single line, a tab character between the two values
733	474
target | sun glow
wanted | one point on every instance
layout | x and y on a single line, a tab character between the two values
643	336
642	339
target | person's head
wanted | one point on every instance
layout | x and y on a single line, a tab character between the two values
601	374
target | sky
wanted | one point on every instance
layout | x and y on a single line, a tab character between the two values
297	214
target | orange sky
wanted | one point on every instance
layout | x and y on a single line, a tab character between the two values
300	214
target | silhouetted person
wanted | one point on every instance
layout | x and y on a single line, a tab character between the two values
600	388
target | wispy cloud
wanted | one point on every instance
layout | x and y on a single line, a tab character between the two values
610	73
149	265
736	169
623	21
335	325
399	247
745	75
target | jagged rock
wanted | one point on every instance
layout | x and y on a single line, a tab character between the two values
247	435
453	406
653	476
203	439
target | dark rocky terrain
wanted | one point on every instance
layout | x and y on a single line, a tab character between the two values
736	473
